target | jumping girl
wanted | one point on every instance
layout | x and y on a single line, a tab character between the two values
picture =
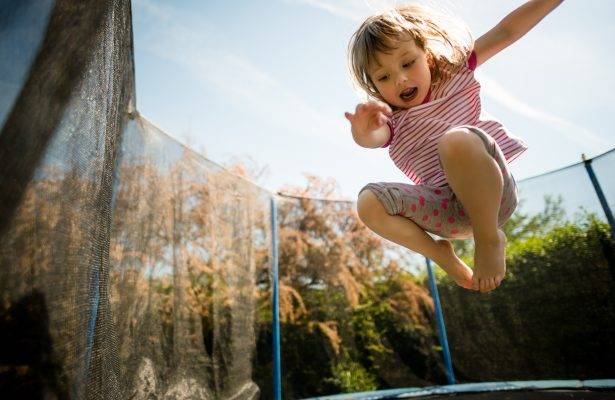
418	66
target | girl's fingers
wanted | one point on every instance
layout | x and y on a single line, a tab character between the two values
386	109
380	106
373	106
370	113
382	119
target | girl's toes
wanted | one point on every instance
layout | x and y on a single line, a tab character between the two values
475	284
466	284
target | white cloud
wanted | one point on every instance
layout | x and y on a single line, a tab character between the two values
358	10
353	10
196	49
159	11
347	11
573	132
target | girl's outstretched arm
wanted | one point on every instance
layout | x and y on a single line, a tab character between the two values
512	27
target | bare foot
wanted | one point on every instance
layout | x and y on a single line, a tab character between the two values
457	269
489	263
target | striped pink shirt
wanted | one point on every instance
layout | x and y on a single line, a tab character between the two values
453	102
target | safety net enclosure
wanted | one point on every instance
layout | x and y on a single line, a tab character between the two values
189	264
130	267
133	268
349	297
554	316
368	307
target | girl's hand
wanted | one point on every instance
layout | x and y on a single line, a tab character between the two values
368	117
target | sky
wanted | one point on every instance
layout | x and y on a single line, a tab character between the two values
267	82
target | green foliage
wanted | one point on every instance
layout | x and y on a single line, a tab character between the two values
307	360
368	324
368	340
554	314
351	377
520	227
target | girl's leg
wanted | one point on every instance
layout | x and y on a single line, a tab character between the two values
408	234
477	181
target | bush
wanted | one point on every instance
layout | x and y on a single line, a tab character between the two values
553	317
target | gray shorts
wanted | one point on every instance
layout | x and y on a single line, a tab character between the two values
436	209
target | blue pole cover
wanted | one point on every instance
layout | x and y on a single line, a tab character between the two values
600	194
441	328
277	367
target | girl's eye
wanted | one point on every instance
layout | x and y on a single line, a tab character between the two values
383	78
408	64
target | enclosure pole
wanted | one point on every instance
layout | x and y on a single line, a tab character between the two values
94	300
450	375
277	367
600	193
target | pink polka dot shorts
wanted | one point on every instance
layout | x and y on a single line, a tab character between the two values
436	209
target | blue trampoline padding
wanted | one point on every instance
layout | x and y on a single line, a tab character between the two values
404	393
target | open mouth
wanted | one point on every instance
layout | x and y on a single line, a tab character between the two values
409	94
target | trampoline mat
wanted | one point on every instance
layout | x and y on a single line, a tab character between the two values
554	394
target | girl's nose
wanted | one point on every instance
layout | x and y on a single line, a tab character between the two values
401	78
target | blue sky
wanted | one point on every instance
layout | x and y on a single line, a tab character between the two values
268	81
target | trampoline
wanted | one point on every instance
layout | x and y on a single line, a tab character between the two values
594	389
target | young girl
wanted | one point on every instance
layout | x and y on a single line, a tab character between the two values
419	69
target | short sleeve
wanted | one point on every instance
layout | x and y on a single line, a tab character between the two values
471	63
392	129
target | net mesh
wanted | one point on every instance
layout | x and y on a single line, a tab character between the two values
358	315
190	259
603	167
133	268
554	315
130	267
58	148
354	318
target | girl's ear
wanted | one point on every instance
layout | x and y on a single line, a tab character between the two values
434	69
376	94
374	90
430	60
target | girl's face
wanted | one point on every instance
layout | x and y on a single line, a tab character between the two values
403	76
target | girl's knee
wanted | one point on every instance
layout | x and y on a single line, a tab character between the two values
457	142
368	205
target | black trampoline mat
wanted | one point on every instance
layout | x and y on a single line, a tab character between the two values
527	395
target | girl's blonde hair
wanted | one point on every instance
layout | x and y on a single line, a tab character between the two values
446	40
